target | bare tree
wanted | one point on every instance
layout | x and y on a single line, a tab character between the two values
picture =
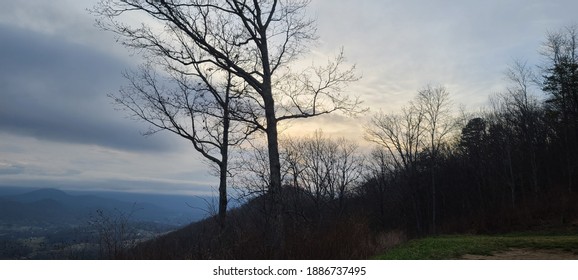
325	168
401	136
348	168
523	107
255	41
115	233
424	126
194	106
254	177
434	103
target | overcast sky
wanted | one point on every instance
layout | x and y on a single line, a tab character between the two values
58	128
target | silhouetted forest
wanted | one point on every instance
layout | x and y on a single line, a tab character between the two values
511	166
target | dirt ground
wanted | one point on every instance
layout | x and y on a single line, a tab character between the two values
526	254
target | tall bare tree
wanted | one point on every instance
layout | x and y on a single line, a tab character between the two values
434	103
255	41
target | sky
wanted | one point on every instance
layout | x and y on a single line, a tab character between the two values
59	129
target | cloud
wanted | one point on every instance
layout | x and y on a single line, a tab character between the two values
400	46
10	169
29	162
56	90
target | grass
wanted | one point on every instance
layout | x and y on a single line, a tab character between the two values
454	246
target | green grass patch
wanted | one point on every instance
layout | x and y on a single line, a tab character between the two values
453	246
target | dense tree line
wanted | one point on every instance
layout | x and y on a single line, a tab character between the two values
511	166
431	171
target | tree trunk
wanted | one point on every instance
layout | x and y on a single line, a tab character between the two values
433	198
433	180
511	179
275	231
223	197
417	215
224	165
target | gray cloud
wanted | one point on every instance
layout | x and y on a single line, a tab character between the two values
10	169
400	46
55	90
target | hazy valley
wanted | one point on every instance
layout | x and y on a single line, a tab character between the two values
53	224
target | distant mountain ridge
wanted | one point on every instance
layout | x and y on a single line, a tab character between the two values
56	206
39	194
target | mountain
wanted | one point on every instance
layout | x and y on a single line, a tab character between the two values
56	206
40	194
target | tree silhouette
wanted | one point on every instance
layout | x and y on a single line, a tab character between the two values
254	41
